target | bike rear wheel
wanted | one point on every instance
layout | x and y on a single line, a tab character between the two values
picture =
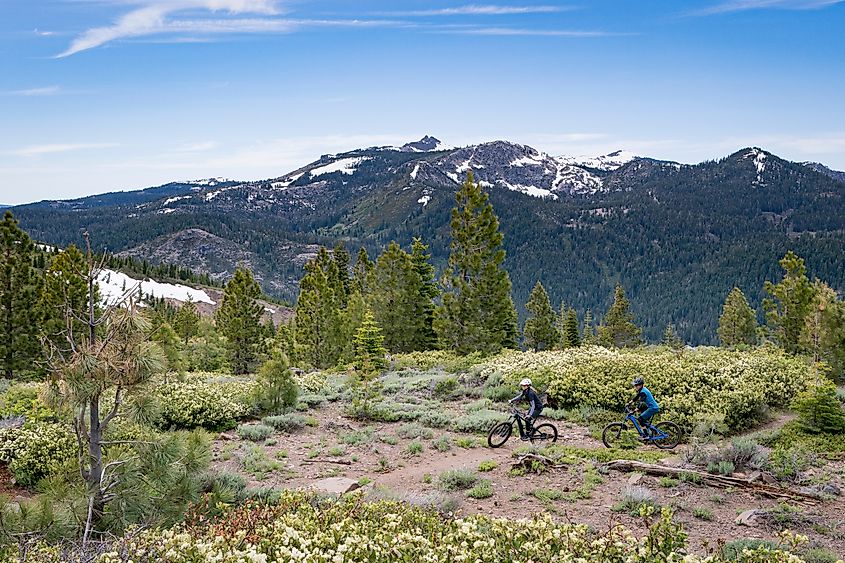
673	435
499	434
544	433
613	434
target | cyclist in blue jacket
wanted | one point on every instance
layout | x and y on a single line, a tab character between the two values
644	398
530	395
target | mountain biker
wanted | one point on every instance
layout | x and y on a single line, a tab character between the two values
647	405
530	395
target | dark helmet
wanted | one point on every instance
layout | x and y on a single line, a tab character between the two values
637	381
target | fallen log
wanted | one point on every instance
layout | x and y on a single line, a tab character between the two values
337	461
714	480
527	461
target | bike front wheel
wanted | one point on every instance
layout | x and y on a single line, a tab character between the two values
670	435
613	434
544	433
499	434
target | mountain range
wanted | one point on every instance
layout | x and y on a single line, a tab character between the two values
677	236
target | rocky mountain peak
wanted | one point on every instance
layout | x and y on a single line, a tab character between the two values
426	144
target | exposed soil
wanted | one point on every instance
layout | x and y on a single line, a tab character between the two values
392	467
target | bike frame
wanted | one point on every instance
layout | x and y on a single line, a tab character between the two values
657	433
517	417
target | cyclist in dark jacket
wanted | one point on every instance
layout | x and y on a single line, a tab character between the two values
644	398
529	394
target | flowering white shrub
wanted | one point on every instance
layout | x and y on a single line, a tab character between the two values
36	450
698	382
210	401
301	529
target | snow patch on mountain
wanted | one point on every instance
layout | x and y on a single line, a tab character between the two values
170	200
415	171
344	166
114	285
607	162
528	190
211	182
282	184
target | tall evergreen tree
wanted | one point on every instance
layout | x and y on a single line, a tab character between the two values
540	331
362	273
589	334
341	259
65	291
823	333
477	312
19	292
395	299
618	328
671	338
239	320
738	323
791	299
420	256
187	321
318	319
571	338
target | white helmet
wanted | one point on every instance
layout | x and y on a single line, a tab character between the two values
525	381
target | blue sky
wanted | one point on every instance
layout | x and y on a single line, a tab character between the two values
103	95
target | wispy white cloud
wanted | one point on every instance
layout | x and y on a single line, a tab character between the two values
483	10
156	19
42	91
200	146
152	17
744	5
53	148
518	32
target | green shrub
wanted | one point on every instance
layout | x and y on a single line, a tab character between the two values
446	386
37	450
819	555
337	451
435	419
229	480
689	477
466	443
478	421
285	422
819	410
732	551
668	482
443	359
546	495
414	430
788	462
736	384
443	444
633	498
488	465
22	399
702	513
455	479
209	404
415	448
257	463
313	400
254	432
356	437
721	467
483	489
479	405
277	390
265	495
388	439
499	393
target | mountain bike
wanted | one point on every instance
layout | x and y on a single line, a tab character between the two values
500	432
665	434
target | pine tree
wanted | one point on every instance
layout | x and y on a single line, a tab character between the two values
477	312
362	273
823	333
671	338
420	256
395	299
168	341
350	322
589	335
187	321
277	390
319	321
818	408
618	329
239	320
540	331
369	362
341	259
791	299
64	291
19	292
738	323
571	338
